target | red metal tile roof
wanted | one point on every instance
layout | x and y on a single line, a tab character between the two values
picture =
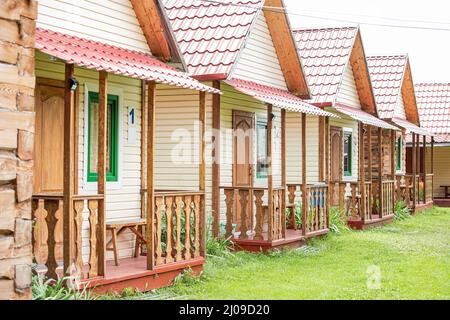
279	98
387	73
433	102
362	116
99	56
325	54
211	34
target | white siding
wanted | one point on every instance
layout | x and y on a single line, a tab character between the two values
441	169
294	148
399	111
349	123
347	93
108	21
258	61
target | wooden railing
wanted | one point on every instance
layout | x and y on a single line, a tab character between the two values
48	245
180	226
247	213
429	188
347	195
317	207
337	193
386	202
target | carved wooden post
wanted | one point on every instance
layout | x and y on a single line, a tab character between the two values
202	171
229	200
270	173
362	173
216	161
414	170
282	204
304	180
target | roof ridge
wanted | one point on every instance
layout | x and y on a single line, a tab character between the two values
295	30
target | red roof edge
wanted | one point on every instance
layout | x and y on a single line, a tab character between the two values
205	77
323	104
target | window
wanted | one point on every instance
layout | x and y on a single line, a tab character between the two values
262	166
111	138
347	154
399	153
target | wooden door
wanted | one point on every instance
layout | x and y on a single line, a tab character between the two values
49	161
336	153
49	139
243	127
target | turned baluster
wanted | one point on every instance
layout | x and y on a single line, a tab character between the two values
187	227
178	211
197	209
93	213
169	224
51	206
159	204
243	200
78	207
258	194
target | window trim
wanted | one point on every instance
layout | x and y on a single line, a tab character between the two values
347	173
91	187
261	175
399	153
113	174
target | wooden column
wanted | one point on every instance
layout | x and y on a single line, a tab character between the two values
380	171
143	146
418	170
370	152
202	170
270	173
414	168
321	147
327	151
393	155
424	175
68	178
283	170
150	174
101	167
362	172
304	180
216	161
432	155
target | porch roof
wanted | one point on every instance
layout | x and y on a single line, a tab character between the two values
99	56
362	116
410	127
278	98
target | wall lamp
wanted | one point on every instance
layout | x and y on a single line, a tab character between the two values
73	83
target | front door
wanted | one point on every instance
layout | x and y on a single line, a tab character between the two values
243	126
49	139
48	155
336	161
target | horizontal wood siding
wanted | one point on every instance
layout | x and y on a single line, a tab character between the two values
108	21
258	61
441	170
348	93
294	148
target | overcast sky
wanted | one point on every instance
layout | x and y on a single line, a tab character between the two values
429	50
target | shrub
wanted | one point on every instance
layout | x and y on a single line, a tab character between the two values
49	289
401	211
338	222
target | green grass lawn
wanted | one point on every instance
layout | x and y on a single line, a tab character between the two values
410	258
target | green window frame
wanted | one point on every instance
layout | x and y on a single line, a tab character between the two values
112	137
262	149
347	153
399	154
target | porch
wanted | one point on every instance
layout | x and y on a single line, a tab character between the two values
70	235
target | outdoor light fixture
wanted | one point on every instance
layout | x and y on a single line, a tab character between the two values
272	116
73	83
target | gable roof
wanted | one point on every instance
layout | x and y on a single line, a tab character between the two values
325	54
212	34
433	102
392	80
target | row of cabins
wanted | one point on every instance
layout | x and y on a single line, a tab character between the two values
158	122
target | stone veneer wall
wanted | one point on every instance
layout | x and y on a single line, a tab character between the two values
17	81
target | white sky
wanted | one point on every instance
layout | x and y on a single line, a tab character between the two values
429	50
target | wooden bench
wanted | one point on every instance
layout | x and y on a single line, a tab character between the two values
446	191
117	227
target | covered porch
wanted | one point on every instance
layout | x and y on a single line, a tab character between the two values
71	234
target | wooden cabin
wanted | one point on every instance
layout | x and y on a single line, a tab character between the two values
336	70
433	102
105	212
249	53
396	102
